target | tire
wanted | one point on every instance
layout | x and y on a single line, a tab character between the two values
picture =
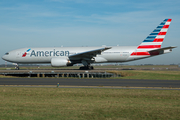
92	68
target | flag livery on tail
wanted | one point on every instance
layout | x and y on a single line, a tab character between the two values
154	40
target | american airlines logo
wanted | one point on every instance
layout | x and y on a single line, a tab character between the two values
49	53
24	54
45	53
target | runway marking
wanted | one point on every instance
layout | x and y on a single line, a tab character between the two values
110	87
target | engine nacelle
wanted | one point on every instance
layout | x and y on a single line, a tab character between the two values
100	59
60	62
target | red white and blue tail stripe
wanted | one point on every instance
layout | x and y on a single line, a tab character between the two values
155	39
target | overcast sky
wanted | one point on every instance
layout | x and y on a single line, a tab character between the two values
49	23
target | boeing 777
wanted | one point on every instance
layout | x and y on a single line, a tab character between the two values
68	56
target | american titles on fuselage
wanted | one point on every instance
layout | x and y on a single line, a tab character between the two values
48	53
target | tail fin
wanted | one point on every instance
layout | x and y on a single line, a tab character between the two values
155	39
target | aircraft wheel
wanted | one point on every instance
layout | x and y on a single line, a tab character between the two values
81	68
86	68
92	68
17	68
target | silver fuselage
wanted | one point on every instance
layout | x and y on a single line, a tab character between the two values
44	55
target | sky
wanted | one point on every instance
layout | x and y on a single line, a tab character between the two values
55	23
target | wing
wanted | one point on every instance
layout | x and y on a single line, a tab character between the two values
88	54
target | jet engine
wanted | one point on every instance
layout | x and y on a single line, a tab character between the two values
60	62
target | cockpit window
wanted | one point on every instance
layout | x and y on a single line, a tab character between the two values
6	53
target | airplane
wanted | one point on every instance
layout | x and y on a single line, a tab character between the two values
68	56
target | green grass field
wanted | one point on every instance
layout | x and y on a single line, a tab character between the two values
155	72
22	103
140	74
148	74
99	67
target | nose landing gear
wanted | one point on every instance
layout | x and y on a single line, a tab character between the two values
17	67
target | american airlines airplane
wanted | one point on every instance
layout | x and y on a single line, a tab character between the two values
68	56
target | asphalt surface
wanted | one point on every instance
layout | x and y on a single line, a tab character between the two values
91	82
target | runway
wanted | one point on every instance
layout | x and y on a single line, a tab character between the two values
91	82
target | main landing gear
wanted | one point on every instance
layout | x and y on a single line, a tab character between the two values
17	67
87	67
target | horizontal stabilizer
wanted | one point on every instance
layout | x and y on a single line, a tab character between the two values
161	50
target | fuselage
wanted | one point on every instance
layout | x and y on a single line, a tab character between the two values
44	55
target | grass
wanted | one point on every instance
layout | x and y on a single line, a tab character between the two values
2	76
155	72
138	74
98	67
148	74
85	103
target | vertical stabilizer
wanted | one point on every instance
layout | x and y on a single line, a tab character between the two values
155	39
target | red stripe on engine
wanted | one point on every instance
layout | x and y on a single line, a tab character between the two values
140	53
162	33
166	26
158	40
149	46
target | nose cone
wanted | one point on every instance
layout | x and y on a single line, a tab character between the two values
3	57
6	57
9	56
